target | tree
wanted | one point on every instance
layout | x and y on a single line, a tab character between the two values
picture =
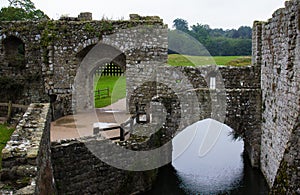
200	32
182	43
21	10
218	42
245	32
181	24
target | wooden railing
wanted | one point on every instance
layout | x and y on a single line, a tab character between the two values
122	135
9	110
126	127
99	93
129	122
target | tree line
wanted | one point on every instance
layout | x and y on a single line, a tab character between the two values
216	42
183	40
21	10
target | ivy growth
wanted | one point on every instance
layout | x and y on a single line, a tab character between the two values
89	28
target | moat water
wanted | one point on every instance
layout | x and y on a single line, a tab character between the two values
212	163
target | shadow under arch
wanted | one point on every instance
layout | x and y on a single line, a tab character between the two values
13	62
108	53
14	52
82	53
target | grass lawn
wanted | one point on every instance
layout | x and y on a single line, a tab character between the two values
117	90
117	85
5	133
184	60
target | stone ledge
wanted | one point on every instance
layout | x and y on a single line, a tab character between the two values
23	154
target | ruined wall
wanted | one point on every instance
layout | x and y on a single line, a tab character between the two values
140	44
276	50
21	73
54	50
80	170
287	180
70	41
26	159
179	96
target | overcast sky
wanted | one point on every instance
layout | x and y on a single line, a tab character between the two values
224	14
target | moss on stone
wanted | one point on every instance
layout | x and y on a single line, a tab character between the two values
106	26
89	28
24	181
281	181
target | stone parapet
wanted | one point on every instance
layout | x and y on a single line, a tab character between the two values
26	159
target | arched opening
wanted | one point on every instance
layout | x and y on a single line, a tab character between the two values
14	52
105	66
215	162
12	64
108	74
93	63
208	159
110	82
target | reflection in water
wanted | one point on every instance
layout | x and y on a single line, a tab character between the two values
198	169
219	170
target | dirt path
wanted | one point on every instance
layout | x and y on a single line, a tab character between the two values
81	124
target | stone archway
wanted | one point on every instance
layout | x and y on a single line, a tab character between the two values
109	81
82	53
97	57
12	65
14	52
13	45
113	67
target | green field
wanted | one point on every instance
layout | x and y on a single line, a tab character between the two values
184	60
117	90
5	134
117	85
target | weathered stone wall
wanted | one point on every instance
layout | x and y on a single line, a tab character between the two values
276	50
184	97
21	75
26	159
79	170
287	180
140	44
70	42
260	102
54	50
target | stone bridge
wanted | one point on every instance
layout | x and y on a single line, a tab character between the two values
54	61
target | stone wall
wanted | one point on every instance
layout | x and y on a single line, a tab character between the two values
140	44
45	70
78	169
287	180
68	43
20	71
183	95
26	159
276	50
